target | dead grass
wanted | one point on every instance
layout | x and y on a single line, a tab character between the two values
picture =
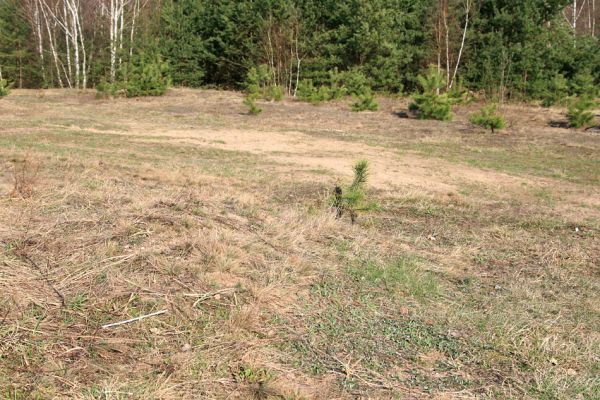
477	278
24	174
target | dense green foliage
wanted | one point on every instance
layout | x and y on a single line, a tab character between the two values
182	42
307	91
256	82
553	92
338	85
488	118
431	103
4	90
314	49
260	84
517	48
250	102
146	74
17	61
366	102
580	112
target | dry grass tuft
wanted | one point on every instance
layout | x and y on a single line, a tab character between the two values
25	174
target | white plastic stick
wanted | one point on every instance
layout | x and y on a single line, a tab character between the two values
133	319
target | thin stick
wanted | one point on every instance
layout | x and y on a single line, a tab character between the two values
46	279
134	319
205	296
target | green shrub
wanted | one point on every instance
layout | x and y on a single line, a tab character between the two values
259	85
273	93
307	91
250	102
340	84
583	84
458	93
336	88
259	80
146	75
580	112
555	91
355	83
106	89
488	118
431	104
366	102
4	89
253	88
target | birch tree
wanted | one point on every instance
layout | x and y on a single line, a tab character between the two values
121	15
66	15
448	31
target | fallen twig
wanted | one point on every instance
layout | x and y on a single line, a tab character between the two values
205	296
154	314
45	277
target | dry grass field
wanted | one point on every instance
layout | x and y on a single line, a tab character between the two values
478	276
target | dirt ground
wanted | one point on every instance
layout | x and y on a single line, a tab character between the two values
476	276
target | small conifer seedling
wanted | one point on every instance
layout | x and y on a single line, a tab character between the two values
580	112
488	118
353	198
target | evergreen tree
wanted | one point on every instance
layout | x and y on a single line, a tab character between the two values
583	84
147	74
254	85
385	39
488	118
513	49
352	198
182	42
17	61
430	104
517	48
4	90
366	102
554	91
580	113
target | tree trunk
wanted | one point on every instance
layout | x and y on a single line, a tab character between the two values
462	44
38	31
51	42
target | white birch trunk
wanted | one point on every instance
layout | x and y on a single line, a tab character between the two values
593	18
82	44
121	12
67	42
447	38
113	48
74	11
51	42
462	43
574	16
38	31
136	10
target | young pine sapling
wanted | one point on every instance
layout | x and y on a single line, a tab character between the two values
488	118
580	113
352	198
431	103
4	89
